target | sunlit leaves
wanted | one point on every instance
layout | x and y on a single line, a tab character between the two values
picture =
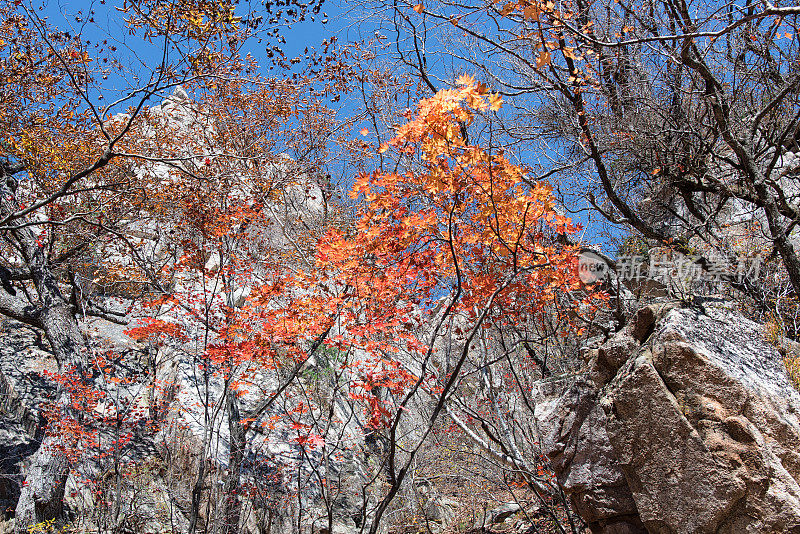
544	59
196	19
464	216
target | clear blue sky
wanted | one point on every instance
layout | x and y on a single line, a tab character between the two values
108	25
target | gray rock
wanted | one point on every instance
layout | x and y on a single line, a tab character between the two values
686	423
23	389
15	446
573	437
441	512
502	512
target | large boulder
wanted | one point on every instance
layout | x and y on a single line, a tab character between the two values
573	437
685	422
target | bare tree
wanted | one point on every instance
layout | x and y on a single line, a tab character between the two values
675	120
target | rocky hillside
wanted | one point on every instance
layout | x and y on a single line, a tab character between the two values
683	422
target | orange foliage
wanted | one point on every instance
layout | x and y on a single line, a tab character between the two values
462	218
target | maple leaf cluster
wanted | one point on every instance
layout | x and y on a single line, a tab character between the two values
463	217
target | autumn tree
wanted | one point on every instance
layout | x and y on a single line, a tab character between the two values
68	186
456	231
674	121
246	233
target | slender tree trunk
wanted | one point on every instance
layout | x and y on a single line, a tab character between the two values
197	494
232	503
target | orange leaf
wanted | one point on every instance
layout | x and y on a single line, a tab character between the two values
419	8
495	101
543	59
465	79
531	13
508	8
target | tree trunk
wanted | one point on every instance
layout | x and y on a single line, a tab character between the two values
42	496
232	503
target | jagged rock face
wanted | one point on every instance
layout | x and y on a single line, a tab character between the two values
573	436
686	422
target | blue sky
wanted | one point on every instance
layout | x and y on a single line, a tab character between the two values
108	25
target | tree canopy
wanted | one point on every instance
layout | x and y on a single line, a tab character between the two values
321	285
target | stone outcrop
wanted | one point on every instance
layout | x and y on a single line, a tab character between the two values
684	423
573	436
